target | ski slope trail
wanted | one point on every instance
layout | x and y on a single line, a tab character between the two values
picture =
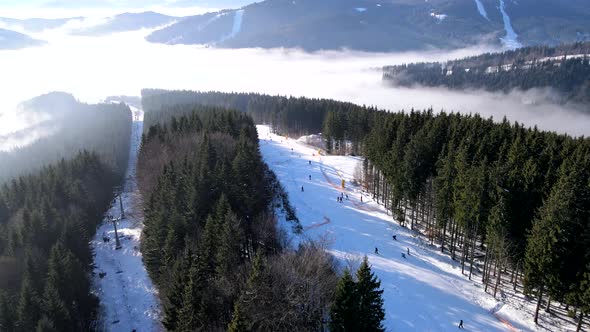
129	300
424	291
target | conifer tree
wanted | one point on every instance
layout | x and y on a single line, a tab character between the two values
27	311
370	307
238	322
344	310
191	316
45	324
7	315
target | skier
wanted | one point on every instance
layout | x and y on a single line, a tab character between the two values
461	324
309	162
361	198
408	251
302	189
310	178
395	237
376	251
403	255
346	196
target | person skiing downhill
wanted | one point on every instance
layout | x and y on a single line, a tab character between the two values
376	251
408	251
310	178
461	324
302	189
395	237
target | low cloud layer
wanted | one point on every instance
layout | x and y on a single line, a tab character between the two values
92	68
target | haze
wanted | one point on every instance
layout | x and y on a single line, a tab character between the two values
93	68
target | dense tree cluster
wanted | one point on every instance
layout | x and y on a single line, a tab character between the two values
46	223
511	203
291	116
565	69
72	127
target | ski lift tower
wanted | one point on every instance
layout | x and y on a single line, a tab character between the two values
114	221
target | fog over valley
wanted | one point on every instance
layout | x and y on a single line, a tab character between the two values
92	68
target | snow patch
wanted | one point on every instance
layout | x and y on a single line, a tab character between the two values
481	9
361	9
237	27
439	17
511	39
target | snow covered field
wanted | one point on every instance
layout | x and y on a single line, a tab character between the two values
128	298
424	291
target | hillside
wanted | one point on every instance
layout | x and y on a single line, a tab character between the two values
371	25
565	69
128	22
12	40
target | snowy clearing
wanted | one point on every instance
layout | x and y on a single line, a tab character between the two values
481	9
511	39
424	291
237	26
129	300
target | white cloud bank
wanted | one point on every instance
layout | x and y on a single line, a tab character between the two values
95	67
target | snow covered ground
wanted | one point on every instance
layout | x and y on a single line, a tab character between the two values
481	9
511	39
237	26
128	298
424	291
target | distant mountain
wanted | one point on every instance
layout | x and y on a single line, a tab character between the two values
392	25
36	24
12	40
129	22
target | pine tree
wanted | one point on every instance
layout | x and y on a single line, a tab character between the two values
7	315
370	309
54	307
229	250
343	313
238	322
27	311
46	325
174	290
191	316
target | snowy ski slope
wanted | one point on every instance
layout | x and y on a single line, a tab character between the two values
128	298
425	291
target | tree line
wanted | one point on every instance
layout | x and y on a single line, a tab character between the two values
212	242
522	69
46	223
510	203
73	127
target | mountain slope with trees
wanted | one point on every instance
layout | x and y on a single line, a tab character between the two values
46	223
70	127
565	69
